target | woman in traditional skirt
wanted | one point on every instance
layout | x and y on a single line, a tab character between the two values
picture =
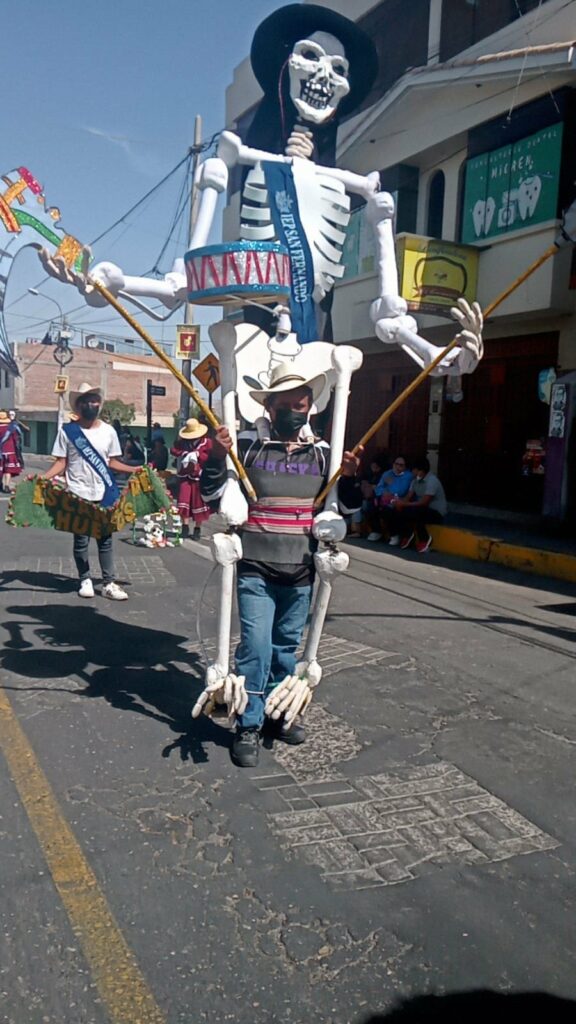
11	463
192	450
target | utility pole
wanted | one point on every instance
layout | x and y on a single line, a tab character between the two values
189	312
62	354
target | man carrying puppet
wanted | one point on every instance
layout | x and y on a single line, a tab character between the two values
275	574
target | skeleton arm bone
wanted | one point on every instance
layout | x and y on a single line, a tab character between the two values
292	696
232	151
392	323
223	688
464	358
211	180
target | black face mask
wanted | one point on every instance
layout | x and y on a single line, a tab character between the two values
89	410
287	422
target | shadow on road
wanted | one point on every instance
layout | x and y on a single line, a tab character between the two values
132	667
51	581
480	1007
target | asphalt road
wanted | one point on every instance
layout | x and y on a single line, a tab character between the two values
422	841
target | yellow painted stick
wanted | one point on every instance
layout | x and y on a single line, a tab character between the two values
202	405
385	416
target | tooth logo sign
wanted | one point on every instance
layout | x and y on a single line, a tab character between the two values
482	215
528	195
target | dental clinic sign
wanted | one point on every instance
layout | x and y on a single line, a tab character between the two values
512	187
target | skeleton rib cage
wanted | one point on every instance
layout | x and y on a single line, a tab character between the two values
324	221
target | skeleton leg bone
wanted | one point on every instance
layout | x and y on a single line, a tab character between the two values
222	686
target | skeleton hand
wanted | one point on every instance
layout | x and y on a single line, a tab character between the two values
213	173
300	144
329	527
221	692
470	336
229	146
57	267
292	696
380	206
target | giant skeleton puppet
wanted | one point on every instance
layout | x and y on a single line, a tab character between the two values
314	66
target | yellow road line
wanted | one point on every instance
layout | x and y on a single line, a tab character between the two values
122	988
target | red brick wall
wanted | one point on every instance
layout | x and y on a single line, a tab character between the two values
119	377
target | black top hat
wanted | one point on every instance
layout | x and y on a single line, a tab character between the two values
274	41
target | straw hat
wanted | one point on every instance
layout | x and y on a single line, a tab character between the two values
192	430
4	417
285	378
84	389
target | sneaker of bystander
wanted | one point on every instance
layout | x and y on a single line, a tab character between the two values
423	545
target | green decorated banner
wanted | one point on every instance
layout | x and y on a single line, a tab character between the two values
512	187
47	505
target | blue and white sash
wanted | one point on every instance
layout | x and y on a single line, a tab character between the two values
78	438
290	233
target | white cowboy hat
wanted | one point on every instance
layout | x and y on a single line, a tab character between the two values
84	389
285	377
192	429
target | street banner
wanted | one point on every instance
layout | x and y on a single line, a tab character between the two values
187	341
47	505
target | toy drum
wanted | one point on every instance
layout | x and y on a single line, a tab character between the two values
236	271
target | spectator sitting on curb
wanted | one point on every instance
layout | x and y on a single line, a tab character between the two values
360	519
393	484
425	503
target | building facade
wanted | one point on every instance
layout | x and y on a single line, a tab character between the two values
34	396
472	126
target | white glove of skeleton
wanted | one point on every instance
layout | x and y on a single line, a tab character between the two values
222	693
469	337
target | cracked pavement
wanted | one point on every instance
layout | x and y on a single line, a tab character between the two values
439	771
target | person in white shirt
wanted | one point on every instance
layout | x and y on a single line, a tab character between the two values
84	451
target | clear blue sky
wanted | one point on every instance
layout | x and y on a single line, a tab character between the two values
99	101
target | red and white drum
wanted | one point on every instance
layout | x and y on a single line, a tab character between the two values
229	273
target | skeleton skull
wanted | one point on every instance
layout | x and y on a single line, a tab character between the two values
318	72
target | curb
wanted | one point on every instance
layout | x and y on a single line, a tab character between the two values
452	541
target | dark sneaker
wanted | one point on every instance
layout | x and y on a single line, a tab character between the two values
406	541
246	747
196	533
294	735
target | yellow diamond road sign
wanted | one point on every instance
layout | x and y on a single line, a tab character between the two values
208	372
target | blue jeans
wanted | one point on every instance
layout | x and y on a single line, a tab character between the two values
272	620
